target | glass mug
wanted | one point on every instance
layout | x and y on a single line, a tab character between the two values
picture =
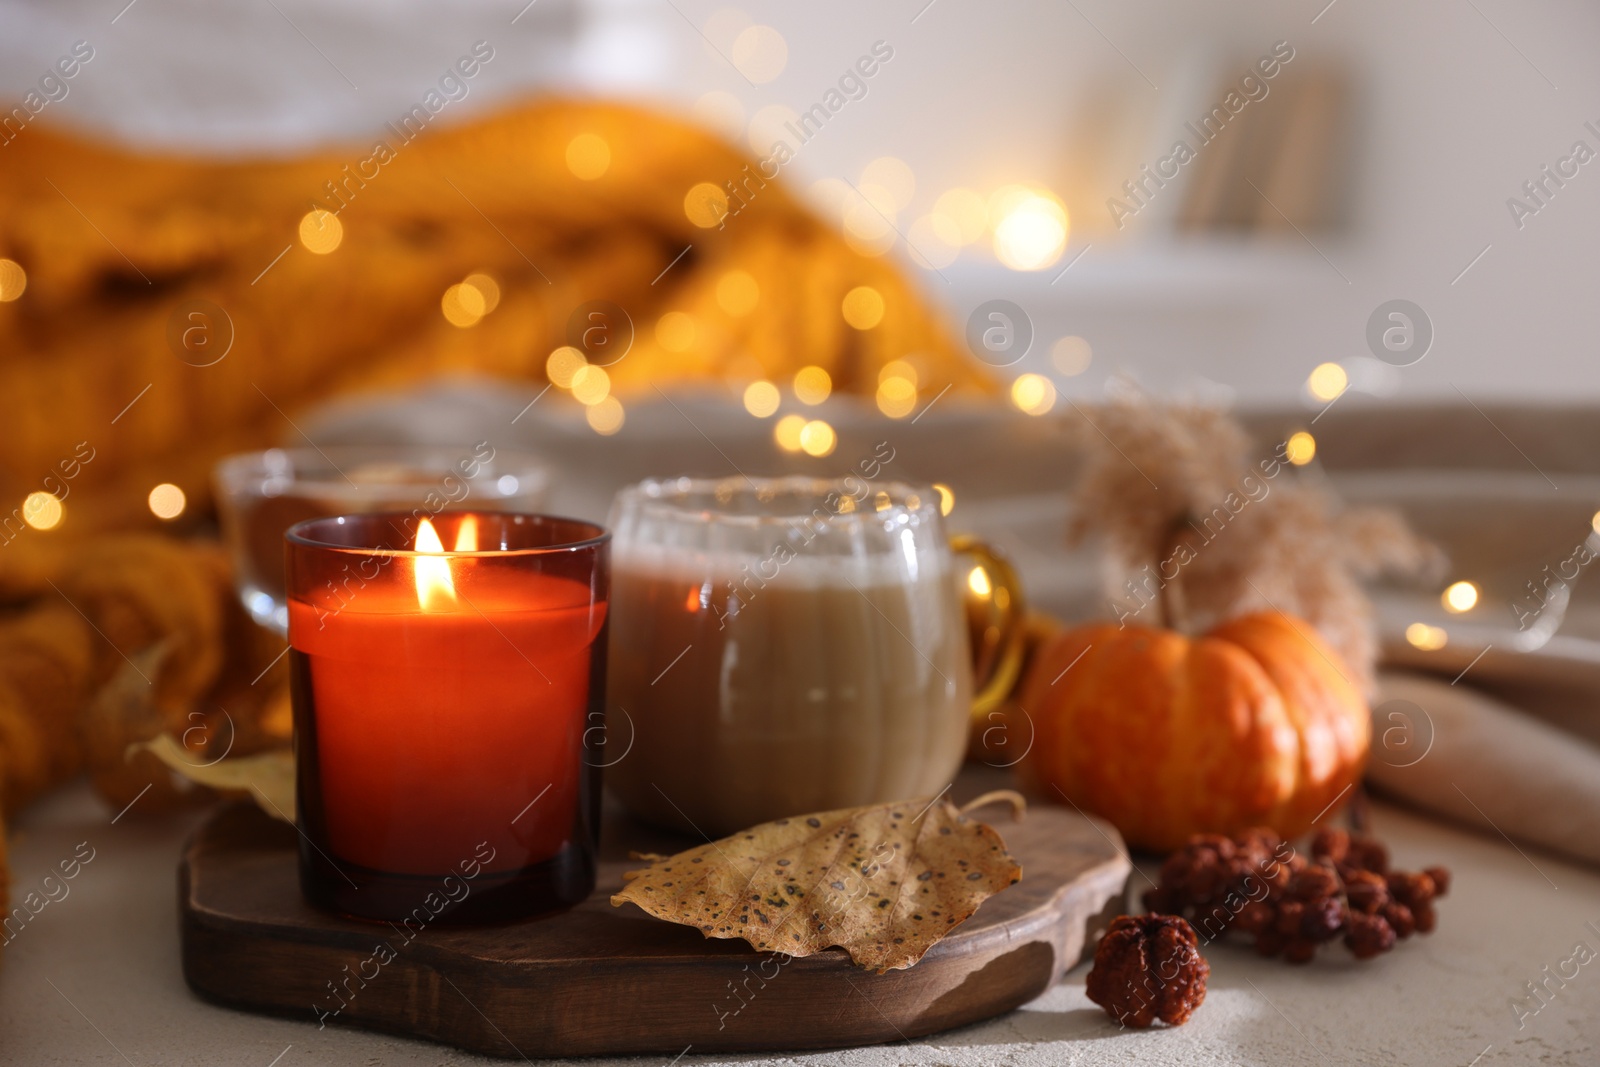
789	645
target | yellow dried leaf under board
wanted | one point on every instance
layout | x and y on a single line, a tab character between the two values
884	882
267	776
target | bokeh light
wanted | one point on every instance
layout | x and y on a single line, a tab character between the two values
590	385
321	231
167	501
1327	381
1428	638
786	432
13	280
1071	356
812	385
862	307
1459	597
978	582
896	397
487	288
706	205
1031	231
761	399
606	417
1033	393
563	363
1300	448
947	498
818	439
43	511
463	305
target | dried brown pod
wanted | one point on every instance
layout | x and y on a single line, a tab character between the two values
1148	967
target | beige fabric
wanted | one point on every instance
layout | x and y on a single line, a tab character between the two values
1456	752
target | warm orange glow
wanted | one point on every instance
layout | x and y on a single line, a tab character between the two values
588	156
467	534
436	590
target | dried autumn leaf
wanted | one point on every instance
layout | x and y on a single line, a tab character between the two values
884	882
268	776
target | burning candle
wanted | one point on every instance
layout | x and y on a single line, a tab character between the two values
446	711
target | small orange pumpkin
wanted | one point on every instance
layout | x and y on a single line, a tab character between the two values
1257	723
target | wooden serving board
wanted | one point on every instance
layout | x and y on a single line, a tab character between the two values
603	980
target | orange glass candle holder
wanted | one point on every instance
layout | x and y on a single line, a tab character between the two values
449	710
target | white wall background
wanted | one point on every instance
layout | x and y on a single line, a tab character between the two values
1461	101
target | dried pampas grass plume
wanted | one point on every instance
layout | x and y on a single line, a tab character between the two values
1198	527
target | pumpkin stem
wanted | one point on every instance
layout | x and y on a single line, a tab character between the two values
1169	593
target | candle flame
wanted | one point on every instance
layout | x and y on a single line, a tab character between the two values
467	534
436	591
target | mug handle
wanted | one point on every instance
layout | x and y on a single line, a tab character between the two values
1007	596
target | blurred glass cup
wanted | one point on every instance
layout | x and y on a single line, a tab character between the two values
262	494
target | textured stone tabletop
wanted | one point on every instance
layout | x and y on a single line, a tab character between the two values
94	978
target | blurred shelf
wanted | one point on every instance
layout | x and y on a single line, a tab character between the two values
1211	272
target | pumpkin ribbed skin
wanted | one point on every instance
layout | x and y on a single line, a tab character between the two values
1255	724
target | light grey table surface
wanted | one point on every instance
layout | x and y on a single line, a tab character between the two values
94	978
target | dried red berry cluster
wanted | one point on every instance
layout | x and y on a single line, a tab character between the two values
1257	883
